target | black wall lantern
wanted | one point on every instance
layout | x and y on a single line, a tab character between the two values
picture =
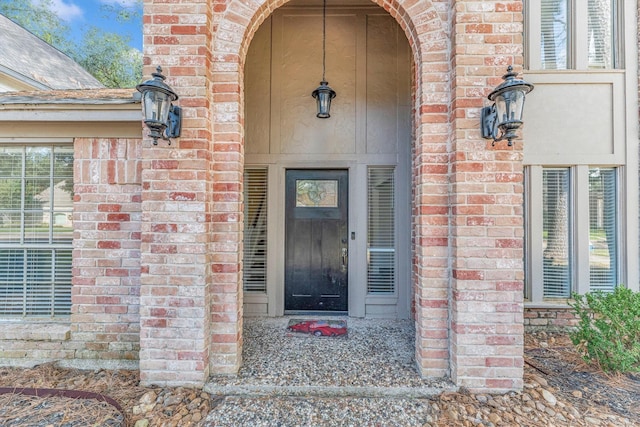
324	94
160	115
505	114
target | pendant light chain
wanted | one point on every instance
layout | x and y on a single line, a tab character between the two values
324	37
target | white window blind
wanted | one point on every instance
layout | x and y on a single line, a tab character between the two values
575	34
381	252
601	31
255	230
603	225
556	233
554	38
36	230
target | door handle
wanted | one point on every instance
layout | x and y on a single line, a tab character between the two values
344	259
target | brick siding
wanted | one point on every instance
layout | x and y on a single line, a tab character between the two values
106	254
158	242
468	225
551	318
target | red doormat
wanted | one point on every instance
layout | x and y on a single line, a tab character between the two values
318	328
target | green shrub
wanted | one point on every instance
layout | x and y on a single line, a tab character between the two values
608	333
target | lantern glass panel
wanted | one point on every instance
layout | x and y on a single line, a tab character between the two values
324	103
156	106
509	105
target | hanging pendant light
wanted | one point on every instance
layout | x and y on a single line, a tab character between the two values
323	93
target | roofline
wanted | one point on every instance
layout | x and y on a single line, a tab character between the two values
31	114
22	78
16	99
71	106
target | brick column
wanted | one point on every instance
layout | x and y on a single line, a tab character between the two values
486	198
236	21
425	28
175	295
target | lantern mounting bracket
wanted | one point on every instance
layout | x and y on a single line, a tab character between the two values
175	123
489	128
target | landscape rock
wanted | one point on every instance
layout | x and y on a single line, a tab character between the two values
148	397
560	391
549	397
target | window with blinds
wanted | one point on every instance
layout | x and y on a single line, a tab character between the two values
36	230
255	230
601	27
603	229
554	40
381	252
565	36
556	233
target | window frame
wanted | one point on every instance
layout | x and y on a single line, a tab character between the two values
255	175
579	224
59	303
382	287
578	33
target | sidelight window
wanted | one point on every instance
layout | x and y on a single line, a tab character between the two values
255	230
556	233
381	236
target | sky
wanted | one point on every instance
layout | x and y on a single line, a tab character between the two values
79	14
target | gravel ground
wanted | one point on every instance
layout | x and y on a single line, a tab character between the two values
365	379
317	411
376	358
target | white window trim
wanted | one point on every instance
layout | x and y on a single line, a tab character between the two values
578	35
53	315
579	202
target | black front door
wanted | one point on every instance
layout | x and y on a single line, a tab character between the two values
316	248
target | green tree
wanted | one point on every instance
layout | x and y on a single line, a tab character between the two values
109	58
106	56
38	18
124	11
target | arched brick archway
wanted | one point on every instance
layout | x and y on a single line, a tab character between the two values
432	320
467	280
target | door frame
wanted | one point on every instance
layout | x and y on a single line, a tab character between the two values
341	176
273	299
276	235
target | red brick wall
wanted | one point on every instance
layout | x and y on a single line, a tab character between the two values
486	205
467	208
178	223
549	318
106	255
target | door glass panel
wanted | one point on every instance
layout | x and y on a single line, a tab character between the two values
318	193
